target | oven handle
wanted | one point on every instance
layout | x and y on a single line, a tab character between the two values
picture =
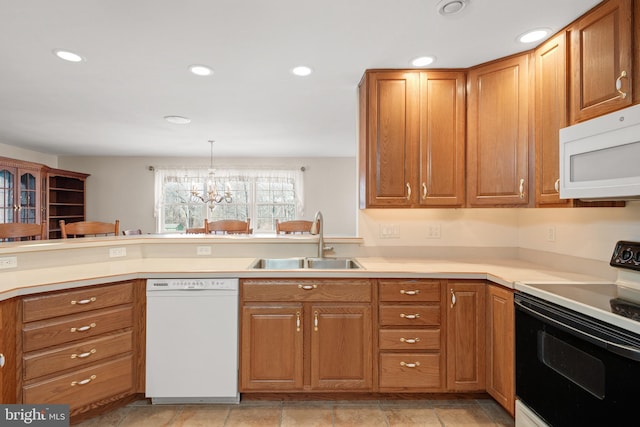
619	349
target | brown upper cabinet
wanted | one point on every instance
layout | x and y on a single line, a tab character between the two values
412	130
601	60
550	117
21	185
498	133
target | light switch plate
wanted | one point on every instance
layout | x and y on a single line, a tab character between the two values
203	250
8	262
117	252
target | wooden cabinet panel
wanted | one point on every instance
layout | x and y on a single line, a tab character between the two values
272	347
81	388
409	315
8	350
78	301
601	53
60	330
466	336
45	362
341	347
501	346
410	371
357	290
391	117
497	133
409	290
409	339
442	139
550	117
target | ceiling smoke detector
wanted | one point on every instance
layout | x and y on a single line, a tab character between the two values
451	7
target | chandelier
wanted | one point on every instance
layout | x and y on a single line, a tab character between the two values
211	196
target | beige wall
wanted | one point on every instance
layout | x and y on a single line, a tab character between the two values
28	155
122	187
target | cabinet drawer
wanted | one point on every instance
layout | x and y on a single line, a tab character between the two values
47	362
410	339
410	370
65	303
409	290
409	315
46	333
84	386
358	290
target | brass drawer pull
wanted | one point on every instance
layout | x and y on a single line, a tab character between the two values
410	316
410	340
83	382
623	74
410	365
315	321
83	355
297	321
83	301
307	287
414	292
83	328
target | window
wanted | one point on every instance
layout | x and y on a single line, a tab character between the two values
260	195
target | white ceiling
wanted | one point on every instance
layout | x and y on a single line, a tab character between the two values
137	53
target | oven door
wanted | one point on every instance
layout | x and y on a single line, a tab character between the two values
573	370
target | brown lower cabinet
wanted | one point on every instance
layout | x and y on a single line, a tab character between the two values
306	335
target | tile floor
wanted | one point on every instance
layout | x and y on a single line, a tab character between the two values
386	413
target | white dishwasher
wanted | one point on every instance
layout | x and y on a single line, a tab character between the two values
192	340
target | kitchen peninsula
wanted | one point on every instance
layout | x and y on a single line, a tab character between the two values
117	267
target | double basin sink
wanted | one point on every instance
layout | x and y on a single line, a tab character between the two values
306	263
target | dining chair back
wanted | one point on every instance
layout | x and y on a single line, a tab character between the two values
295	226
227	226
131	232
89	228
17	231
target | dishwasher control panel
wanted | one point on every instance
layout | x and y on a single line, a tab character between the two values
192	284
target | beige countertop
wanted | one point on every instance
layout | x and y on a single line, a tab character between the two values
501	271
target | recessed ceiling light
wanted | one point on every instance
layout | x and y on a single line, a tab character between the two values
451	7
68	56
302	71
423	61
177	120
200	70
534	35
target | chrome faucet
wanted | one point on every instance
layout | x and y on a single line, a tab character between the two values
318	228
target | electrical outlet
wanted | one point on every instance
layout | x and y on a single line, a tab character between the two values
117	252
389	231
551	234
8	262
433	231
203	250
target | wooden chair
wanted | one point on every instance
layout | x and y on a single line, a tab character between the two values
131	232
227	226
17	231
291	227
196	230
89	228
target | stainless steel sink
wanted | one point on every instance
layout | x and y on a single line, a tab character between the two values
306	263
332	263
279	263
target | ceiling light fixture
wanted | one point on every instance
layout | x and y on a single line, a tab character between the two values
534	35
302	71
451	7
209	195
177	120
67	55
423	61
200	70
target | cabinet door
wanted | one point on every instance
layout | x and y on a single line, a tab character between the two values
8	350
497	136
442	139
501	346
8	205
341	347
388	144
29	196
551	116
466	336
601	58
271	350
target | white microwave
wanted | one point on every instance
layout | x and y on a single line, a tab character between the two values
600	158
